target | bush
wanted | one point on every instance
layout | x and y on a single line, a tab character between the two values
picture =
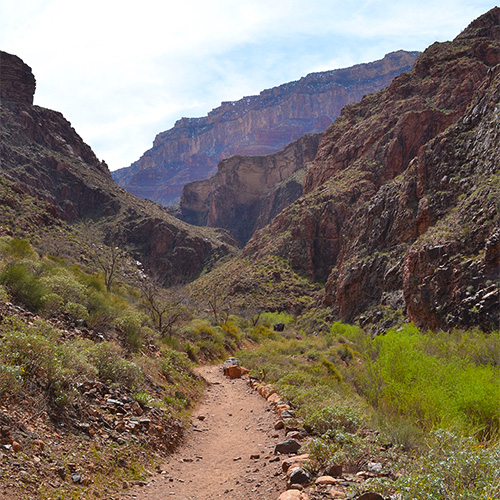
112	367
455	468
339	417
24	285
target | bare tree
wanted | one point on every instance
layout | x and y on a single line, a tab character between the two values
165	307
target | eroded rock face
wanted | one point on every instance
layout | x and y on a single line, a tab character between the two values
248	191
17	83
255	125
43	156
401	203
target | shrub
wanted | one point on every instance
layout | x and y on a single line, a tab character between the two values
112	367
455	468
52	303
23	285
344	418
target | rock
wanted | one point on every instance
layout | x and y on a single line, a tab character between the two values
16	446
235	371
76	477
296	460
370	496
137	409
375	467
17	83
279	327
293	495
377	191
38	444
297	475
287	447
279	425
334	470
325	480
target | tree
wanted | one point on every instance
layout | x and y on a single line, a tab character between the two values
165	307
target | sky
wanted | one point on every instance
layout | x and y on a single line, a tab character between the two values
123	71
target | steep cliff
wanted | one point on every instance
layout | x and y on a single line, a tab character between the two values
255	125
43	156
247	192
400	210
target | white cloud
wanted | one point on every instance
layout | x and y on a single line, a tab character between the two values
123	71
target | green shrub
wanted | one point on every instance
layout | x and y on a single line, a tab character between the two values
65	286
339	417
112	367
23	285
52	303
16	248
454	468
4	296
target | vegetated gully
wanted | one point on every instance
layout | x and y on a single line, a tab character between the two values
227	452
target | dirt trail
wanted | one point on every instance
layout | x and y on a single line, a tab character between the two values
231	424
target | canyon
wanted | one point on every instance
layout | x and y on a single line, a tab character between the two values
255	125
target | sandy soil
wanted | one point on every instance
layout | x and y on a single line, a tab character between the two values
228	451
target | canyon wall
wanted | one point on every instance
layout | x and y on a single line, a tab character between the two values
400	206
255	125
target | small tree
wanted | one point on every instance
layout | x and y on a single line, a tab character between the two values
165	307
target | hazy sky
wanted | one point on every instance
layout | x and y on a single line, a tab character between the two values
122	71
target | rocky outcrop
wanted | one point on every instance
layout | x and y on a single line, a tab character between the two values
17	83
43	156
249	191
255	125
400	210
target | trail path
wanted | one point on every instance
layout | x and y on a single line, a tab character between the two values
231	424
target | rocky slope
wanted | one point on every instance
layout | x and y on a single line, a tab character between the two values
400	211
255	125
247	192
43	156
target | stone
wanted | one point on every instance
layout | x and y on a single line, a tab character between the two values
279	327
287	447
137	409
370	496
279	425
296	460
333	470
293	495
16	446
297	475
325	480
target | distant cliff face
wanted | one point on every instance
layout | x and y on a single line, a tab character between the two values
247	192
400	210
43	156
256	125
17	83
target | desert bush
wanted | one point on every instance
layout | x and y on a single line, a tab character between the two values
455	468
52	303
64	285
16	249
345	418
23	284
113	367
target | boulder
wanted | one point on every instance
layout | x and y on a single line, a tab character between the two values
287	447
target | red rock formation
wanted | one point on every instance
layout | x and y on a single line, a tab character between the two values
43	156
17	83
400	210
248	191
255	125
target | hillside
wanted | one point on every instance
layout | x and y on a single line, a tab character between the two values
400	211
255	125
43	156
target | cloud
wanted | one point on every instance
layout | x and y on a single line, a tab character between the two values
123	71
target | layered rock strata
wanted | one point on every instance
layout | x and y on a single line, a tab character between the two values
255	125
247	192
43	156
400	211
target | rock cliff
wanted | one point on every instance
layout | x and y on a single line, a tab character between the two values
43	156
247	192
255	125
400	211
